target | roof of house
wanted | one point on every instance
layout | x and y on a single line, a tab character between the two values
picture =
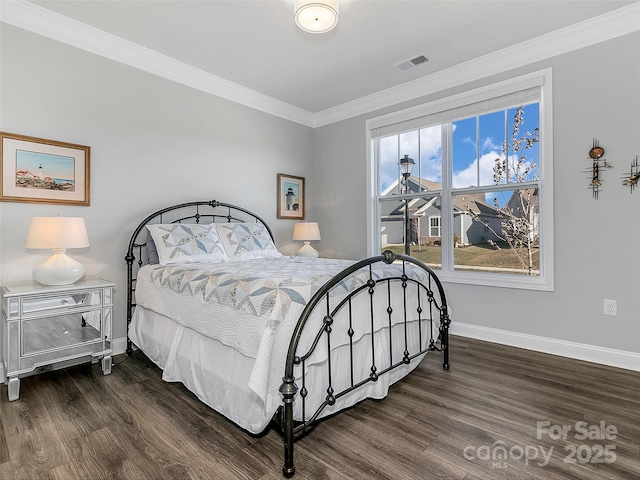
461	203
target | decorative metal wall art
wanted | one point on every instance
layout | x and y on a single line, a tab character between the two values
631	179
596	154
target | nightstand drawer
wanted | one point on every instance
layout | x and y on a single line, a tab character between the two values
48	304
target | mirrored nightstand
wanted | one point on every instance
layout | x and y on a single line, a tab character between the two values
50	327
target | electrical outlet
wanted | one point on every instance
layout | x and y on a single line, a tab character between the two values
611	308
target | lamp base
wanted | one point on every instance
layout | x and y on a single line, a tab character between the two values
307	251
59	269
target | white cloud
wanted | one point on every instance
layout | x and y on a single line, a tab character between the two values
468	177
428	163
489	144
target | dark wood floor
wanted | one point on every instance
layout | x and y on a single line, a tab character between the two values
77	424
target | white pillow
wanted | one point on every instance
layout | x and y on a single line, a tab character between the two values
244	241
187	243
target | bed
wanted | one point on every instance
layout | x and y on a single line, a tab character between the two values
266	339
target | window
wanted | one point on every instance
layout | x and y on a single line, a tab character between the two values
434	226
476	198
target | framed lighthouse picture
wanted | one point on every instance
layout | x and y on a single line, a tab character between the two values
290	196
37	170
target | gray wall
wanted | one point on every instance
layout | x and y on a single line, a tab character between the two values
153	143
596	94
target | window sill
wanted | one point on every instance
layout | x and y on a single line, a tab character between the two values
523	282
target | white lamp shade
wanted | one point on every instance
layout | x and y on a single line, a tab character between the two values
57	232
317	16
306	231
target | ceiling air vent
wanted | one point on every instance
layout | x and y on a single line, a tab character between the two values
413	62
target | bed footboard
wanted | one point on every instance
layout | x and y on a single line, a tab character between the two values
408	306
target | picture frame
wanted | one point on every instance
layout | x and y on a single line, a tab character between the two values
291	202
37	170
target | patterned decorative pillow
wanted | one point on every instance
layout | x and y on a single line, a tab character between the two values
186	243
246	241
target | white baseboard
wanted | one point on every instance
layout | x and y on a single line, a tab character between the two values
119	345
563	348
578	351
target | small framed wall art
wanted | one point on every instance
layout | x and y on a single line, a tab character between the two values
290	196
36	170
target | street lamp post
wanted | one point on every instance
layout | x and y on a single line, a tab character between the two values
406	166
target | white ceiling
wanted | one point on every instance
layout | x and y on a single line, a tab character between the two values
256	45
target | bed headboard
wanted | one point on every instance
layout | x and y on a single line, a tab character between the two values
203	212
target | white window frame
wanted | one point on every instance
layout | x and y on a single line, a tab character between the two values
439	226
543	281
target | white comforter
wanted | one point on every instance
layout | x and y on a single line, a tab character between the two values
251	306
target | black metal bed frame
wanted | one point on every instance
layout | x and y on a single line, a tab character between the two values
418	317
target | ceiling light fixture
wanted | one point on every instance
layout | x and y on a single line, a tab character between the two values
316	17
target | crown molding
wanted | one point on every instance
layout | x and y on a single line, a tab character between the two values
47	23
41	21
608	26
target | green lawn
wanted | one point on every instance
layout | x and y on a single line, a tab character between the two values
483	255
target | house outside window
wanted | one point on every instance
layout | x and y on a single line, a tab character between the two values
479	198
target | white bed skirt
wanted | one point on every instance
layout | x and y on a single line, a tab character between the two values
219	375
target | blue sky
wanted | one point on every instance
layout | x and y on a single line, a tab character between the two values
474	154
54	166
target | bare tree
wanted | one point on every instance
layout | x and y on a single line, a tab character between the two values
519	222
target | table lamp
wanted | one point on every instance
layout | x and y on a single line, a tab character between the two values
306	231
58	234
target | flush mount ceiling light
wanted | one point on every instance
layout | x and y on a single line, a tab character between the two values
316	17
